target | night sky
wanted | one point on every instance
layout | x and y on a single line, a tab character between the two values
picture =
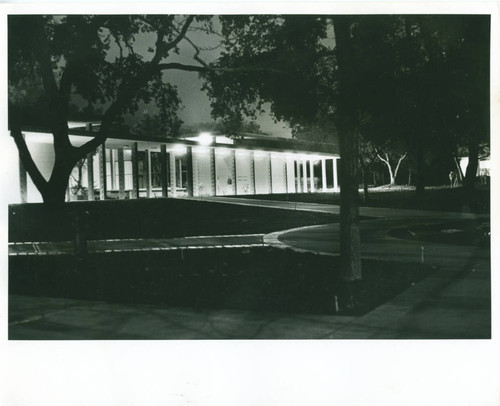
196	105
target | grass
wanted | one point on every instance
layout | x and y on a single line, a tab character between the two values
463	232
259	279
151	218
399	197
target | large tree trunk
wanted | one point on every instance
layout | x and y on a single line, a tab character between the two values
350	253
350	243
55	191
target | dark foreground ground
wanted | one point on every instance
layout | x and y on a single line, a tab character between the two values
262	279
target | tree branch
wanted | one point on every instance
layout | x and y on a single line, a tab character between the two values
27	160
58	105
66	83
182	34
382	159
180	66
399	163
127	92
43	56
159	48
196	56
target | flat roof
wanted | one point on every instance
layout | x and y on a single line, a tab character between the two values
249	141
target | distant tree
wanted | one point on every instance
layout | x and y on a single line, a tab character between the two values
154	124
322	130
390	161
232	128
469	81
237	127
100	60
367	161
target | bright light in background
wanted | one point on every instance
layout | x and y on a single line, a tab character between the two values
205	139
223	140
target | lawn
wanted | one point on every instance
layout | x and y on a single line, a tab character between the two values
399	197
151	218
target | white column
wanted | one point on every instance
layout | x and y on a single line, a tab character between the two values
252	171
135	170
121	174
147	170
297	178
173	175
233	171
335	179
163	170
304	176
323	174
270	173
90	176
180	172
311	170
111	169
102	172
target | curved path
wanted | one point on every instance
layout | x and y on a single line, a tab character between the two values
453	302
376	243
375	239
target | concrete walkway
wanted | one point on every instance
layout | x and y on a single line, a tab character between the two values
452	303
138	244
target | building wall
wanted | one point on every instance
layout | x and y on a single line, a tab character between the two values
290	175
220	169
224	164
244	173
262	172
202	181
278	173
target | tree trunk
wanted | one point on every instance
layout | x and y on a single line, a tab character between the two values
459	169
398	166
350	242
392	179
55	191
350	245
470	174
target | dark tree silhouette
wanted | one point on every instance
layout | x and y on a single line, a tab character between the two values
100	60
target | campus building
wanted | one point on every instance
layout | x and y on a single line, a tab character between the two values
194	165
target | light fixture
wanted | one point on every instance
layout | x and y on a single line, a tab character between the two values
205	139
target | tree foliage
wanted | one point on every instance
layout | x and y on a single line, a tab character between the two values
113	61
389	82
